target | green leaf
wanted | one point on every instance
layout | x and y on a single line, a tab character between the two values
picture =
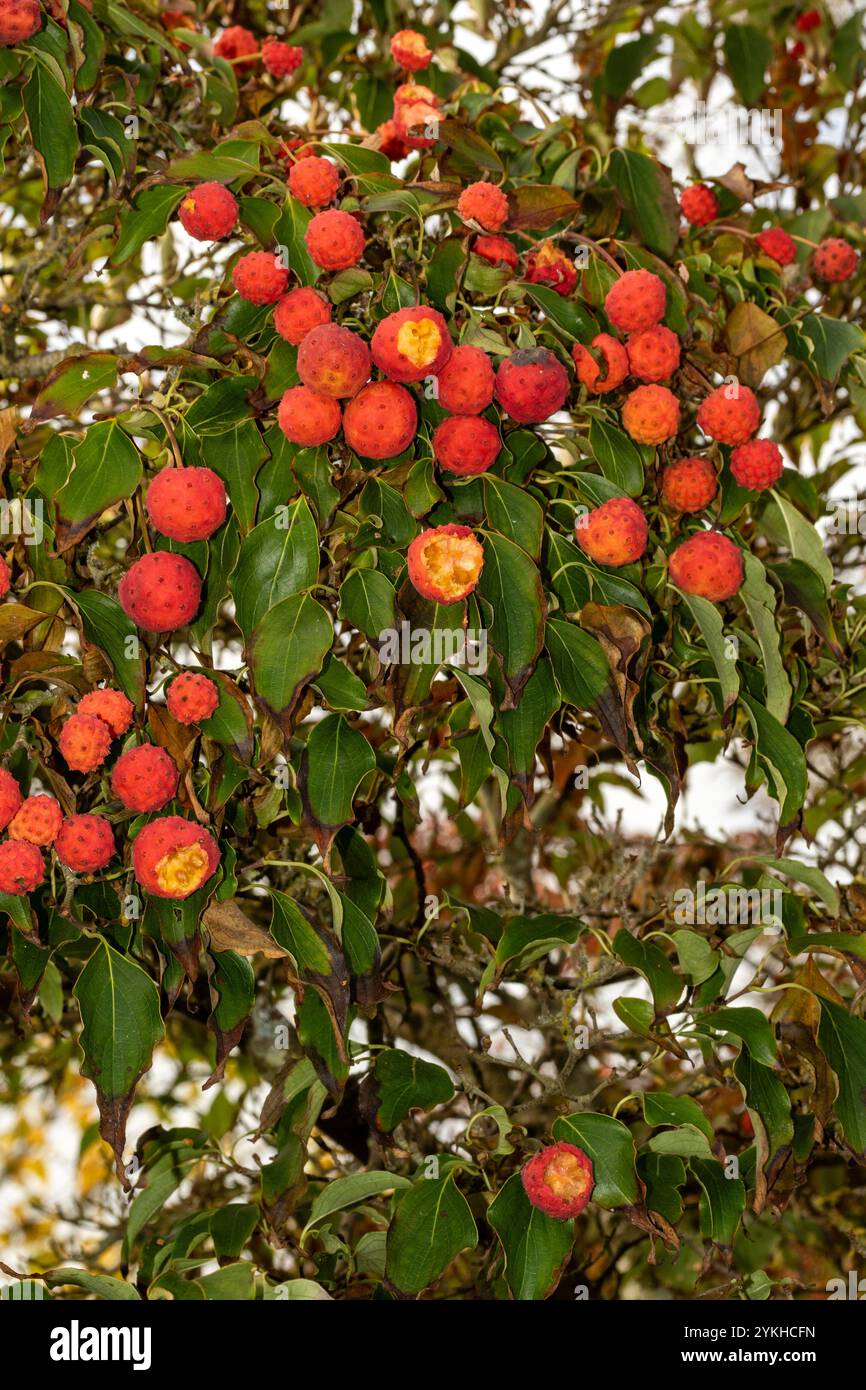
106	468
766	1099
236	455
660	1108
401	1082
709	620
289	232
511	585
696	956
369	602
471	146
336	761
291	930
748	52
219	408
52	127
686	1141
346	1192
567	315
833	341
627	62
121	1021
278	558
107	627
751	1025
800	536
232	1227
527	939
287	648
723	1200
647	192
617	457
842	1039
801	873
579	663
653	964
433	1224
536	1247
782	759
760	600
147	218
102	1285
575	581
444	271
608	1143
70	386
514	513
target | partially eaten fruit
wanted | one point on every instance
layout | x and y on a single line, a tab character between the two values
559	1181
445	563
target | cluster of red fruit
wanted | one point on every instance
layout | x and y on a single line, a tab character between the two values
833	260
172	857
240	47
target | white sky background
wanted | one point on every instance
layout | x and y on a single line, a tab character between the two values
713	801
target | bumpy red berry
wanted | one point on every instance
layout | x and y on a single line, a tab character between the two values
38	820
689	484
613	534
808	20
654	354
445	563
559	1181
730	414
466	444
409	49
22	868
85	844
5	577
636	301
416	108
651	414
84	742
757	464
209	212
191	697
334	361
334	239
778	245
708	565
531	385
412	343
484	204
281	59
381	421
111	706
835	260
260	278
19	21
187	504
160	592
237	45
466	381
10	797
314	181
144	778
307	418
699	204
495	249
173	857
300	311
550	266
614	369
